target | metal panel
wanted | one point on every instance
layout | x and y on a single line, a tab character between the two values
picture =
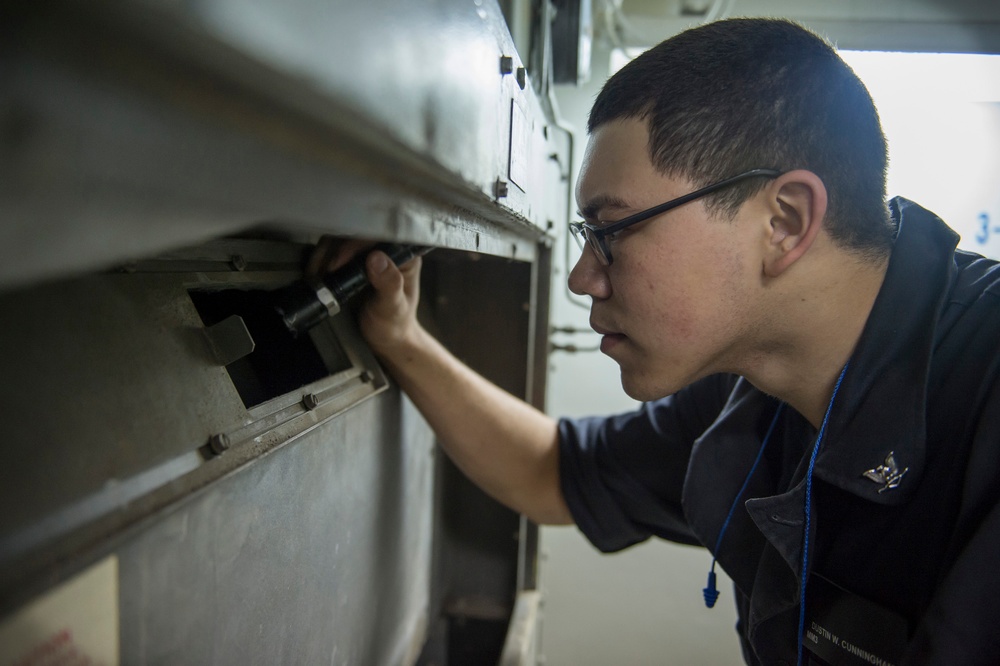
272	533
116	408
132	128
310	537
318	554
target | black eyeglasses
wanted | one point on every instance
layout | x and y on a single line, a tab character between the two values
597	236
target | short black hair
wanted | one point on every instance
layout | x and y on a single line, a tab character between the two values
739	94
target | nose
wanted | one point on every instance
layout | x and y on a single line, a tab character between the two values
589	276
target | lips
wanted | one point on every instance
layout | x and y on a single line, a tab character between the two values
609	342
610	339
602	330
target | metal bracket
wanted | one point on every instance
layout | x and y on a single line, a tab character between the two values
229	339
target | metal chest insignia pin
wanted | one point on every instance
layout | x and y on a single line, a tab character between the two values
888	473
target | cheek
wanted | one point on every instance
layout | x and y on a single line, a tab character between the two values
669	298
683	279
679	287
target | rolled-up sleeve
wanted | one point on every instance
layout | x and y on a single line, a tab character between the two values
623	476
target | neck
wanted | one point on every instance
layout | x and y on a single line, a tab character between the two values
802	357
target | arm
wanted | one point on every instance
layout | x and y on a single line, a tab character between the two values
507	447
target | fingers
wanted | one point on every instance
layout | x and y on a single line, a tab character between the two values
390	280
382	273
391	311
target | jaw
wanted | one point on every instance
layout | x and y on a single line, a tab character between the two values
647	379
653	371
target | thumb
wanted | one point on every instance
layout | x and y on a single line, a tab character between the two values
384	276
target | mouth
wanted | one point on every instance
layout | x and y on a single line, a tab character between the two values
609	339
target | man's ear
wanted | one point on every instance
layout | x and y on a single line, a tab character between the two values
797	206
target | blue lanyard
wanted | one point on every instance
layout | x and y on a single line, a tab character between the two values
710	592
808	511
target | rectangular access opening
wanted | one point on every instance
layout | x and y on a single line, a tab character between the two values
280	362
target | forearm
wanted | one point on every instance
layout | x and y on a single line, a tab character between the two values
504	445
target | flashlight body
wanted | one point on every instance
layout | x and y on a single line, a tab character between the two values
305	304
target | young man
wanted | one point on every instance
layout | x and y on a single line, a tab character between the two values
819	369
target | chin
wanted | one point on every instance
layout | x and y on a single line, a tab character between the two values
642	390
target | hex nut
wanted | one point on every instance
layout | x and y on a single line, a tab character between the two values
219	443
238	262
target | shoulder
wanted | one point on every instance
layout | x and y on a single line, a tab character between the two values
971	309
976	277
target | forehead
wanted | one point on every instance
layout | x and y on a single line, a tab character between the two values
616	162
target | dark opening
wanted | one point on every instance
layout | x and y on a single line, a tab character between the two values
280	362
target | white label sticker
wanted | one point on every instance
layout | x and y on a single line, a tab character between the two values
73	624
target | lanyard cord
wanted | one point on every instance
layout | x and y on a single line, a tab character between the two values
710	592
808	511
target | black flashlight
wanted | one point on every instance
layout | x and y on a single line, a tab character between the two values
305	304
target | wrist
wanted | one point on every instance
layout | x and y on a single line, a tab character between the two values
404	345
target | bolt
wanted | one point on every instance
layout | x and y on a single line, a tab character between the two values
522	77
310	400
238	262
367	376
500	189
219	443
506	65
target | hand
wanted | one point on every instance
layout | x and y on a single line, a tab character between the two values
388	320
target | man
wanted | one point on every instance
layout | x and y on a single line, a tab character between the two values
819	369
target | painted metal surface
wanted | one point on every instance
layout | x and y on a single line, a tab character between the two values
319	554
114	399
153	151
133	128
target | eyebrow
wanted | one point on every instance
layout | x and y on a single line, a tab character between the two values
600	202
